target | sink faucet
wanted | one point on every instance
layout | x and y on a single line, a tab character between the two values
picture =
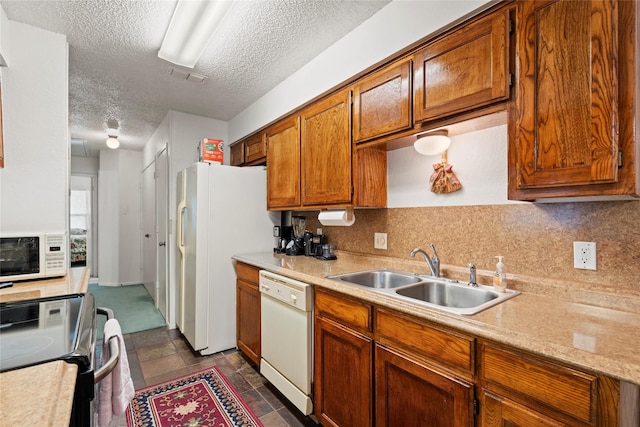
472	275
433	262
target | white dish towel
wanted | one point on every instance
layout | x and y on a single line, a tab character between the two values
116	389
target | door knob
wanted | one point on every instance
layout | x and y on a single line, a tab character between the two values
146	235
162	244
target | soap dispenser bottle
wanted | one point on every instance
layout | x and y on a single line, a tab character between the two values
500	277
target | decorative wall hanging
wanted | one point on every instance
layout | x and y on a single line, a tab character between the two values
443	180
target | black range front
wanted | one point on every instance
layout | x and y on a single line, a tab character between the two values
48	329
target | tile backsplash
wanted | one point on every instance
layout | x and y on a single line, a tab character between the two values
535	239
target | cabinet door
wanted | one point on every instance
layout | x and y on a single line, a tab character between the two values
343	378
236	151
326	151
248	320
565	131
382	102
255	149
411	394
462	71
283	164
497	411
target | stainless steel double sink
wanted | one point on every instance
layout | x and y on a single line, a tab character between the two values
436	292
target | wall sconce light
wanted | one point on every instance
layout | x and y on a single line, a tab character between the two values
190	30
112	138
442	180
432	143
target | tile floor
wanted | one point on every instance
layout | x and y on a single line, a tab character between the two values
160	355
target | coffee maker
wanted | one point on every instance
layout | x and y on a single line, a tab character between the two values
296	245
283	233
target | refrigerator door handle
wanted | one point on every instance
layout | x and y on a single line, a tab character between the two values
181	209
180	242
182	212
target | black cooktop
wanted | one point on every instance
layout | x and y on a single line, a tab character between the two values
45	329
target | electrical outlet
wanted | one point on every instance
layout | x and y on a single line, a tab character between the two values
584	255
380	240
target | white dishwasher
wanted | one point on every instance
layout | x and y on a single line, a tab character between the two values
287	337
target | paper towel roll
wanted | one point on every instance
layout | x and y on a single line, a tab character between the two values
336	217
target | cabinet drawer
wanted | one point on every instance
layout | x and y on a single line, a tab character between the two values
255	149
450	348
347	311
248	273
564	389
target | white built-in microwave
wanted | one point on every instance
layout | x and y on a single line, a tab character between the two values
32	256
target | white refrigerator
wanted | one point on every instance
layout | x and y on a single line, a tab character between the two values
221	212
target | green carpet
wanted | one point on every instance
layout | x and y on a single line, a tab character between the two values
132	306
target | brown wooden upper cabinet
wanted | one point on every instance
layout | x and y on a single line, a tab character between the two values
255	149
283	163
325	129
574	111
464	70
382	102
236	152
250	151
311	162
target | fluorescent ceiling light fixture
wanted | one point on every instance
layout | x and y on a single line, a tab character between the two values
190	30
432	143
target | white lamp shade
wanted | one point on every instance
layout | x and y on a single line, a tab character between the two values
112	142
431	145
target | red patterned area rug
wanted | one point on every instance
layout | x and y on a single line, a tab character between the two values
205	398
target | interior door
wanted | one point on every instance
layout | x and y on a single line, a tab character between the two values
162	224
149	241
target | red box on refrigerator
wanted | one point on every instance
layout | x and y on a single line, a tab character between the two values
211	150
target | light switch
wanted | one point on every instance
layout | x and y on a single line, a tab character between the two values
380	240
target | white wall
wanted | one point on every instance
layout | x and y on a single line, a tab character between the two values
4	34
393	28
479	161
181	132
156	143
34	182
85	165
119	233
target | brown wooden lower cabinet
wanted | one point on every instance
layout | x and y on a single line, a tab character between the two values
248	311
419	373
343	378
411	393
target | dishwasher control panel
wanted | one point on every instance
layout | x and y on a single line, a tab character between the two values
289	291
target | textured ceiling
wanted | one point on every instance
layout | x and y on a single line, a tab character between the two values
114	71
